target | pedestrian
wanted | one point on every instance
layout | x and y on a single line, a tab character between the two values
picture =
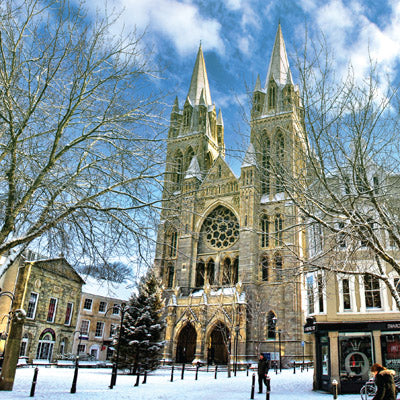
262	372
384	381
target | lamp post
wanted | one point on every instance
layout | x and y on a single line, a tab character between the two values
236	347
122	308
275	319
12	337
73	386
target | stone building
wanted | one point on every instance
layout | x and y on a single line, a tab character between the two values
99	317
49	291
226	252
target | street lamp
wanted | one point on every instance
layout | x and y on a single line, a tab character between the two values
236	347
275	319
122	308
73	387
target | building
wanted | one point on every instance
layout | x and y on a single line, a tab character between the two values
49	291
99	317
225	252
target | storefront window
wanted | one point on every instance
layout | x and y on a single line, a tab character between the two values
324	355
355	356
391	351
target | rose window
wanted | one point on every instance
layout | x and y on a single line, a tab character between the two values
221	228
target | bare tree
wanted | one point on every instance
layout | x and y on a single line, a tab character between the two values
347	180
79	133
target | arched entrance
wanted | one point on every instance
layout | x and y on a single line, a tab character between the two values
186	346
45	346
220	342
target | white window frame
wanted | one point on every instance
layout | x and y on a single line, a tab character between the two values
68	323
315	276
116	309
55	310
102	329
35	307
384	299
84	349
88	327
353	303
91	304
105	308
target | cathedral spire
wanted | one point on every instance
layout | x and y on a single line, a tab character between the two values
199	82
279	69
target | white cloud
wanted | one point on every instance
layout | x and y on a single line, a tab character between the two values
355	38
180	22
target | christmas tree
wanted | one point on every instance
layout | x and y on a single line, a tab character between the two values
141	344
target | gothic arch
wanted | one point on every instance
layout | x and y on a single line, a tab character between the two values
271	325
217	339
211	208
178	167
186	340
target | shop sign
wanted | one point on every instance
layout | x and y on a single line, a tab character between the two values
393	325
309	329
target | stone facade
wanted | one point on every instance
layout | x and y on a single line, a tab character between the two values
225	252
49	291
99	318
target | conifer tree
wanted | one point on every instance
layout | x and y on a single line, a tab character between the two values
141	337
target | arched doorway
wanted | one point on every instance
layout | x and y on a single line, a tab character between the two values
220	342
186	346
46	344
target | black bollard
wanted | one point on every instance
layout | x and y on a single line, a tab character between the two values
73	387
183	370
294	367
207	367
253	385
268	387
33	387
276	368
215	374
307	366
172	373
197	372
113	375
247	369
137	379
144	377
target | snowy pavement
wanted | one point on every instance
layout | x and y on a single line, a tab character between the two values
55	383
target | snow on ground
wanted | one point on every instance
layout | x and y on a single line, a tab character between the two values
55	384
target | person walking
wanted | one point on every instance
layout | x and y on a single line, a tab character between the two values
262	372
384	381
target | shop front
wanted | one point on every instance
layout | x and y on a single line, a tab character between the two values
345	351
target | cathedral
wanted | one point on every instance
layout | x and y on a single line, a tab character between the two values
227	247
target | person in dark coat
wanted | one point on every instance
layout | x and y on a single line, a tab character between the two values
262	372
384	381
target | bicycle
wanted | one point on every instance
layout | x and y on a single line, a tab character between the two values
368	390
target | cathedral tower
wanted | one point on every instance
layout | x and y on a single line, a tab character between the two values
230	279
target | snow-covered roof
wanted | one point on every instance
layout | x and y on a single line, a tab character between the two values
194	169
105	288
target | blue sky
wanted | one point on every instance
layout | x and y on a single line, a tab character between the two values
237	38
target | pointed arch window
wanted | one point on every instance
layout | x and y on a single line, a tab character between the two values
264	268
280	159
170	276
264	231
208	161
187	117
278	267
235	270
173	243
272	95
271	321
199	274
257	102
210	272
202	117
227	272
266	167
178	166
278	229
